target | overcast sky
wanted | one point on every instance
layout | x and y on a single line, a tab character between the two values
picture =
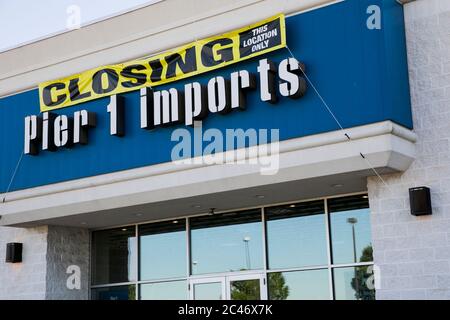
26	20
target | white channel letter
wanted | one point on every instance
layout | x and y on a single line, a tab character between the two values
48	142
165	103
146	99
82	120
217	95
266	70
116	116
240	81
193	102
61	134
289	72
31	135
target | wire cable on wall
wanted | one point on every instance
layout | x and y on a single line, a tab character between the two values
327	107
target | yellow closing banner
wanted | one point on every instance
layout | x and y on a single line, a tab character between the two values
186	61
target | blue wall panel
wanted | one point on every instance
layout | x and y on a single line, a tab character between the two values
361	73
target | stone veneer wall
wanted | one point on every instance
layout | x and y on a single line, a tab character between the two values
47	252
69	246
24	280
413	253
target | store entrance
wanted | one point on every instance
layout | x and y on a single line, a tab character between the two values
232	287
311	250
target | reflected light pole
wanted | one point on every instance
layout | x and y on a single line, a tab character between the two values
353	221
247	251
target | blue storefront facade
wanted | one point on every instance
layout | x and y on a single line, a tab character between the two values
361	72
140	225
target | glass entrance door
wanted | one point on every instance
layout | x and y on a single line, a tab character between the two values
233	287
208	289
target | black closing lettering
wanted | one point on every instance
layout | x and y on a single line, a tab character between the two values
188	65
47	94
97	81
157	70
74	90
210	52
138	79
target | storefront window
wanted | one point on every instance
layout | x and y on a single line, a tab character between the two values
356	283
350	229
296	235
315	250
227	242
245	289
114	255
299	285
162	249
173	290
115	293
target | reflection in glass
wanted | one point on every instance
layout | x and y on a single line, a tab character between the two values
350	229
114	293
208	291
245	290
114	255
299	285
355	283
227	242
173	290
296	235
163	250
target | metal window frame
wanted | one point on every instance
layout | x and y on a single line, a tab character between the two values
329	250
209	280
205	213
263	273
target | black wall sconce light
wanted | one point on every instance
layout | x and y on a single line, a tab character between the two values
14	252
420	201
